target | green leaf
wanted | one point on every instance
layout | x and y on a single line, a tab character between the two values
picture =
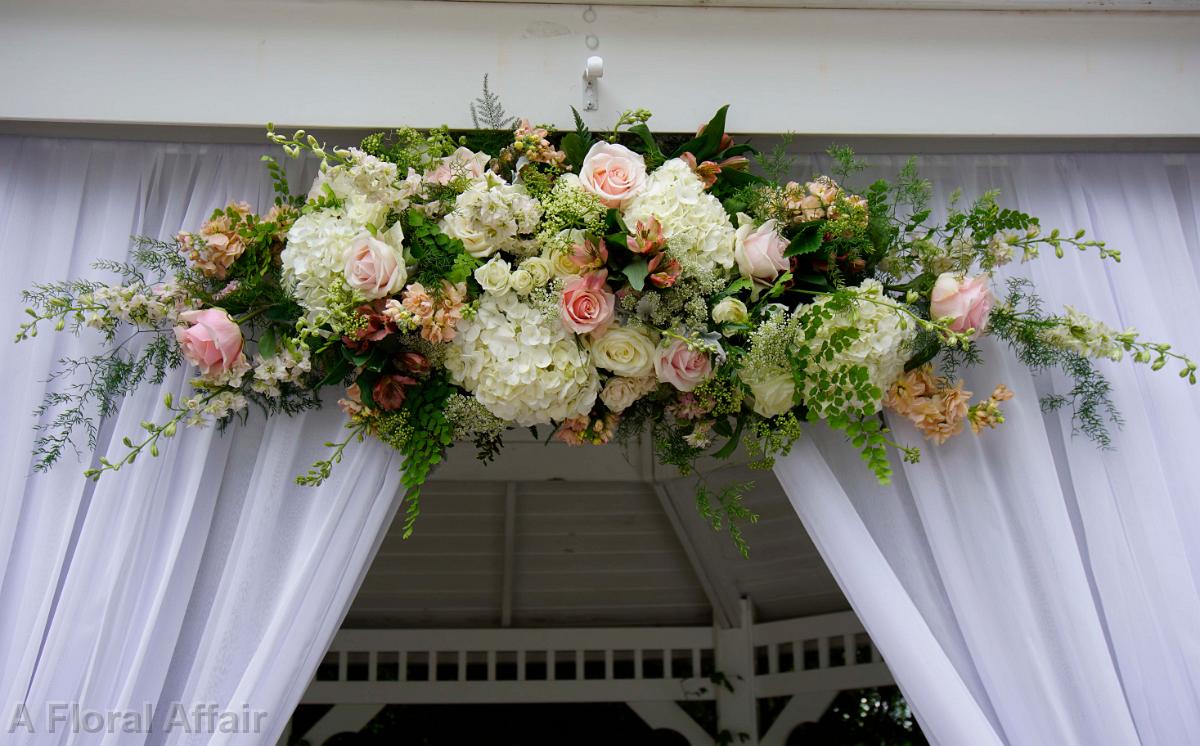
637	272
706	145
336	373
267	343
647	137
575	149
731	446
807	241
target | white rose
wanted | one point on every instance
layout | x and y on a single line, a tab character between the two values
625	351
619	393
494	277
521	282
374	268
475	238
730	311
773	395
539	269
364	212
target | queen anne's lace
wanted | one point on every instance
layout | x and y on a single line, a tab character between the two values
521	364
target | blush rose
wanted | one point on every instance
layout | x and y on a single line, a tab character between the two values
587	305
681	366
374	268
614	173
212	340
967	300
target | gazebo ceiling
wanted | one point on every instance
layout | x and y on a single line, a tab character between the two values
526	551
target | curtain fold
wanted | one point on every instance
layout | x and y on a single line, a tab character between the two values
1059	579
205	576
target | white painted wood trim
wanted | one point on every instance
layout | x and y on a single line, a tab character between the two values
380	63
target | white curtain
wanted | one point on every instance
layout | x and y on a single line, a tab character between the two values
1025	587
205	576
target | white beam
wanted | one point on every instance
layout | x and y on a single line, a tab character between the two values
380	63
737	710
721	610
510	541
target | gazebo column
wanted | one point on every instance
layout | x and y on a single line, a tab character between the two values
737	710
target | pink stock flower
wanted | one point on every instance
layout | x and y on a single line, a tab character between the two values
587	305
212	342
967	300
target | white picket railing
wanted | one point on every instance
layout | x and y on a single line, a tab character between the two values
588	665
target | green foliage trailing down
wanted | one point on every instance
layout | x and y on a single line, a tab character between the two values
1023	324
610	284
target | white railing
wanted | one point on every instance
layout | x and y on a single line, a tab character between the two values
821	653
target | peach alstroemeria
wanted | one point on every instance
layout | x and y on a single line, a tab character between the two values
647	237
590	254
664	271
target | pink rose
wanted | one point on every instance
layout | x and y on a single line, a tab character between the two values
759	252
968	300
614	173
681	366
587	304
374	268
462	162
213	342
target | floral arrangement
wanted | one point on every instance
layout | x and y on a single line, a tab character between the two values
450	286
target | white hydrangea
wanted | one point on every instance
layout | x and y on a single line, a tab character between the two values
883	345
521	364
314	259
696	226
493	215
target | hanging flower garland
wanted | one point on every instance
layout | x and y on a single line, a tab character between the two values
450	287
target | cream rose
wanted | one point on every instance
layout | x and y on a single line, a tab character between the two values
373	268
619	393
494	277
624	351
759	252
614	173
540	270
730	311
966	300
521	282
679	365
773	394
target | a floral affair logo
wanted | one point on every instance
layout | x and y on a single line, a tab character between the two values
72	717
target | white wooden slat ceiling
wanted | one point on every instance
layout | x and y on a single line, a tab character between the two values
588	554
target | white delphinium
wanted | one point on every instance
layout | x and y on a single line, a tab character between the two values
286	367
493	215
222	405
1089	337
521	363
695	224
